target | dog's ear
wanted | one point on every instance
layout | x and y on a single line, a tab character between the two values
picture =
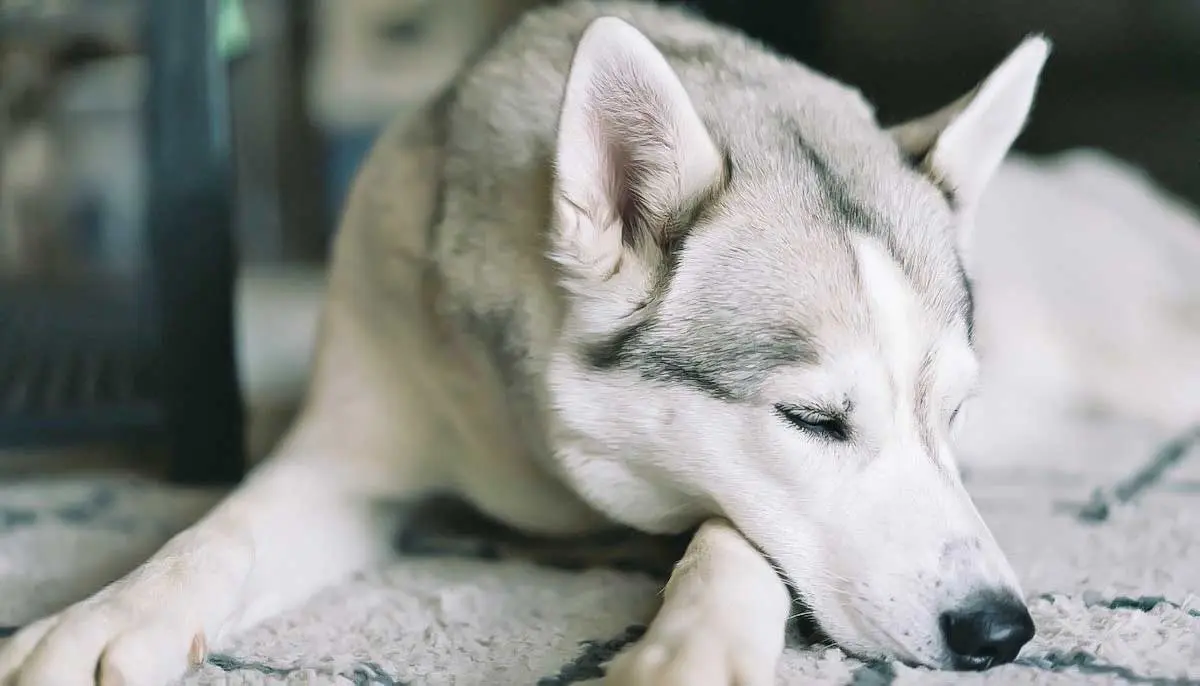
962	145
633	155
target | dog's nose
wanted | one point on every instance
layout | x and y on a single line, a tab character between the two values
989	630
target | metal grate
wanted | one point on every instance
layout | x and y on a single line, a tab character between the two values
70	368
74	365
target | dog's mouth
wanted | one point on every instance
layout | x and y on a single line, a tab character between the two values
802	626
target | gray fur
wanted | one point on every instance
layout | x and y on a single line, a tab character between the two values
809	167
728	368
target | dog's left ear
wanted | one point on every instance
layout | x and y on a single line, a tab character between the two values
632	155
962	145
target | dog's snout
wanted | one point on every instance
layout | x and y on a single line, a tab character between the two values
988	630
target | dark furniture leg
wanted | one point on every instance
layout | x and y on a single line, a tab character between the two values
191	238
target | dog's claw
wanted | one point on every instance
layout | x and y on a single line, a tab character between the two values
199	650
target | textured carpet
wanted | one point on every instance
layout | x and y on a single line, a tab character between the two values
1112	574
1101	520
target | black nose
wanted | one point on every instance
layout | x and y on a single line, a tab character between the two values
987	630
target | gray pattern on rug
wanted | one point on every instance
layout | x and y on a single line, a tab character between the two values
1108	552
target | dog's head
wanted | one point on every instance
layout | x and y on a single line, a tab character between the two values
769	318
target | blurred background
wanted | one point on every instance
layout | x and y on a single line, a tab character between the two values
158	156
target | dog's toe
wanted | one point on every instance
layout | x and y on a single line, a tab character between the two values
148	656
15	651
99	644
692	660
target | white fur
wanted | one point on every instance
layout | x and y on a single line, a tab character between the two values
969	150
964	143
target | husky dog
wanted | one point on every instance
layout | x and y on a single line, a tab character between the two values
633	269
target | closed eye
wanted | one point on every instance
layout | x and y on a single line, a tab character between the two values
815	422
954	414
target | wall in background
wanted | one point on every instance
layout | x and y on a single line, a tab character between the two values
1124	75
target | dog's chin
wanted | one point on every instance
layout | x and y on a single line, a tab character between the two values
873	650
882	655
882	658
806	628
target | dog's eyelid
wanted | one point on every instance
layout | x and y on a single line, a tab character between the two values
820	419
816	410
965	398
955	411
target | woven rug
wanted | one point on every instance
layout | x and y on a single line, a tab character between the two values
1110	560
1101	520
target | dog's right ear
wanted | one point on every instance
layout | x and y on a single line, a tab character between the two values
962	145
633	155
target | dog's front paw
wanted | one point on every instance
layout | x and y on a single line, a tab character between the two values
98	642
143	630
697	655
721	622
